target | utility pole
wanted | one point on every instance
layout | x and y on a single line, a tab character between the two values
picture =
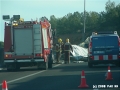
84	23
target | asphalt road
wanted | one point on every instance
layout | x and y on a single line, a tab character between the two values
61	77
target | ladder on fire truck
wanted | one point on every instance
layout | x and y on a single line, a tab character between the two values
37	39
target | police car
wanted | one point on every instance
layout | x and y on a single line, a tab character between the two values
104	48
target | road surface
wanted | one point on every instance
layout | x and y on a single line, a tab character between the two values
61	77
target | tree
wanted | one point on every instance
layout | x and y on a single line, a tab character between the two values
1	44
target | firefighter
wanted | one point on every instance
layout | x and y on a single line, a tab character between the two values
62	53
62	47
67	49
58	50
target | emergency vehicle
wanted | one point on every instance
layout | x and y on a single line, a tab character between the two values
28	43
104	48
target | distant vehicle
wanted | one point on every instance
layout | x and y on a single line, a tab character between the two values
28	43
104	48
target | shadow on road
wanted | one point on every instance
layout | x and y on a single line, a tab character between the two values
82	66
66	77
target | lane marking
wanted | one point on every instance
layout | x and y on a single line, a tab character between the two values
29	75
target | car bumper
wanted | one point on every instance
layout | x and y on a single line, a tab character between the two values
104	61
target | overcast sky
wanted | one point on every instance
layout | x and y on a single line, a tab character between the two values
37	8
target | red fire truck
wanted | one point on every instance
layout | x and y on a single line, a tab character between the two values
28	43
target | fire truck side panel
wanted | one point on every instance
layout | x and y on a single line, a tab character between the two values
23	41
7	39
45	40
37	39
45	43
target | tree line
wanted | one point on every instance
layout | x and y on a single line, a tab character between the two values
72	23
94	21
1	44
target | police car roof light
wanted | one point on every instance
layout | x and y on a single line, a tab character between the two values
115	32
108	32
94	33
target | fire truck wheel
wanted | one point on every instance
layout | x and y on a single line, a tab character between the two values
17	68
45	65
9	67
90	65
42	66
50	61
49	65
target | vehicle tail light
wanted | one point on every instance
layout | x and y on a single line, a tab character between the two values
119	41
8	55
91	57
39	55
90	44
119	56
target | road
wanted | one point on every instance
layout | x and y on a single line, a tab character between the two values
61	77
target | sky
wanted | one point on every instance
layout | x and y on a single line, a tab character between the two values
32	9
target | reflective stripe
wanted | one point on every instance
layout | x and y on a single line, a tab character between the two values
8	60
82	76
108	70
115	57
23	60
105	57
8	53
39	60
36	60
67	43
96	57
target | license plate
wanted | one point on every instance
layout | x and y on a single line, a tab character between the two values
98	52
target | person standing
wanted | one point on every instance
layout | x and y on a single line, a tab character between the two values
67	49
58	50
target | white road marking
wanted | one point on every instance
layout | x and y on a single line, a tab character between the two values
29	75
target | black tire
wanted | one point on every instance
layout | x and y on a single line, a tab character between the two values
42	66
17	68
50	60
9	69
49	65
90	65
119	64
